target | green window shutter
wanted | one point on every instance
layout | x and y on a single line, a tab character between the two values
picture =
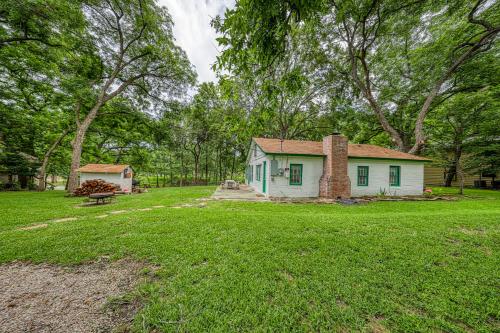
295	174
394	175
363	175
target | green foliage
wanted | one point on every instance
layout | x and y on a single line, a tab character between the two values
400	59
290	76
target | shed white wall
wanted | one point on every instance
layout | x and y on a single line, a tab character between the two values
412	177
115	178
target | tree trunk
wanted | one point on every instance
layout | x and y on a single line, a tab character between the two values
81	130
216	169
364	84
182	169
461	178
453	168
232	166
207	176
220	167
196	167
42	183
76	156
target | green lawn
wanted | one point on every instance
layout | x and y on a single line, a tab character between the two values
243	266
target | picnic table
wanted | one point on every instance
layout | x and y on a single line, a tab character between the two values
230	185
102	197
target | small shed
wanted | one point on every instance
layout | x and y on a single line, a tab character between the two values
120	174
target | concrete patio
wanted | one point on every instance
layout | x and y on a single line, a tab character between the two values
245	193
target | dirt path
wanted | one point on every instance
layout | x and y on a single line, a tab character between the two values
51	298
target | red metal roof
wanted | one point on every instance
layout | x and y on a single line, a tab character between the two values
315	148
103	168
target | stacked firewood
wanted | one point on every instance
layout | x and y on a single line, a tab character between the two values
95	186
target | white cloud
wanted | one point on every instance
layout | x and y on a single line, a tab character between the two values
193	32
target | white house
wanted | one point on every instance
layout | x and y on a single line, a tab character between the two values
331	168
119	174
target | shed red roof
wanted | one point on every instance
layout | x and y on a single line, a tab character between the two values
103	168
315	148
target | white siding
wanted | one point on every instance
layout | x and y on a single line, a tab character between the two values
279	186
258	159
412	177
115	178
312	169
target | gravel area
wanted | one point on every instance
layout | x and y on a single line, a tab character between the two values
51	298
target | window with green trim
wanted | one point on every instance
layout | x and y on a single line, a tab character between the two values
295	174
257	171
394	175
250	173
363	172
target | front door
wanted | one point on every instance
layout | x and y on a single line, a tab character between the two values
264	179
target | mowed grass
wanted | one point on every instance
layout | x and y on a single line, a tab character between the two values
248	266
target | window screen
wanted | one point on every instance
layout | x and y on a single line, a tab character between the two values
363	176
295	174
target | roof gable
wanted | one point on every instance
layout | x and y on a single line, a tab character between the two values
315	148
103	168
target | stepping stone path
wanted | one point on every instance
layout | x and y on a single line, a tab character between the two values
66	219
118	211
201	205
102	216
35	226
160	206
144	209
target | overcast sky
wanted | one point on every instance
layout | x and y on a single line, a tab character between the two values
193	32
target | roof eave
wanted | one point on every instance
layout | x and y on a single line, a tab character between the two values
292	154
389	159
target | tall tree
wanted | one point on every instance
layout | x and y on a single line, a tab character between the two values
400	55
135	44
464	125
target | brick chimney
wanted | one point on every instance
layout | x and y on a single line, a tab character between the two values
334	183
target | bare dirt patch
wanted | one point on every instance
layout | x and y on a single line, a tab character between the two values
375	325
472	232
51	298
